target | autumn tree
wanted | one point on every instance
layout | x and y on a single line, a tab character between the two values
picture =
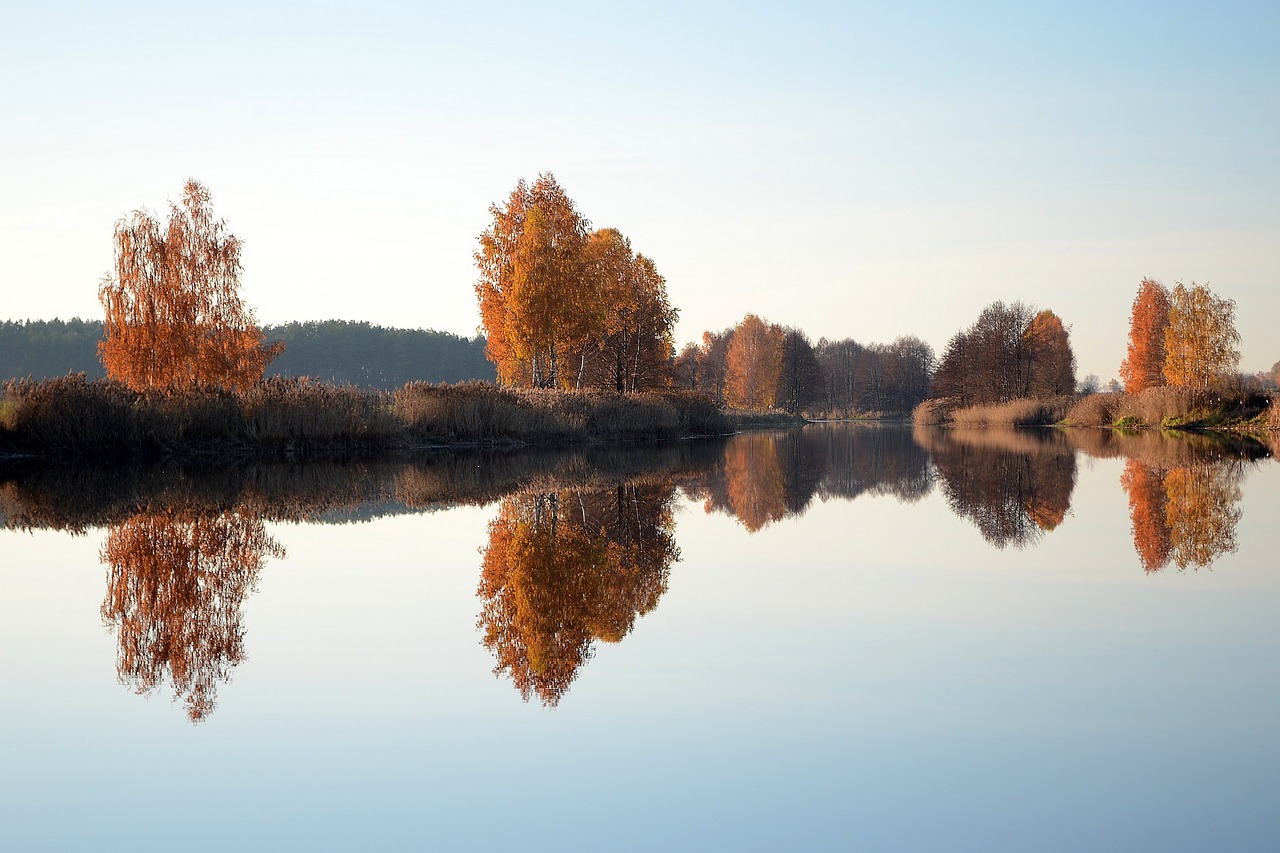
635	340
562	306
177	581
701	367
1200	338
534	293
1011	351
1053	363
174	316
1143	365
753	364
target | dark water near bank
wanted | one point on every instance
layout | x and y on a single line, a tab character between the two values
842	637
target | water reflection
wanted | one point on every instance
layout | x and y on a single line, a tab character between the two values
1013	485
583	540
175	585
565	569
765	477
1186	515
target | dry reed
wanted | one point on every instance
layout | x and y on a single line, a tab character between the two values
295	418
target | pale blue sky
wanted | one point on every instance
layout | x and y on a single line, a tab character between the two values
849	169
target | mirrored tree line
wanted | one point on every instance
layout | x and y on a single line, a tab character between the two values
566	569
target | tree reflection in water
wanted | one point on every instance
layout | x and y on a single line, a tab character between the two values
175	587
1014	486
564	569
768	476
1185	514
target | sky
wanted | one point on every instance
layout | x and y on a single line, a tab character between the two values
849	169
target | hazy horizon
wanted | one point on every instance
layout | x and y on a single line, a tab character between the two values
846	169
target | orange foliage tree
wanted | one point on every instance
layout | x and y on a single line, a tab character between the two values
535	296
1200	338
1143	365
174	317
177	581
1052	369
753	364
562	306
636	340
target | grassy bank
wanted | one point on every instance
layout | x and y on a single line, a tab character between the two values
293	418
1012	413
1177	408
1163	408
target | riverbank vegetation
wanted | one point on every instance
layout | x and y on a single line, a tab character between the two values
72	417
579	333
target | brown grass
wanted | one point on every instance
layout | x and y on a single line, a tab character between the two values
1169	407
295	418
1039	411
935	412
479	412
1095	410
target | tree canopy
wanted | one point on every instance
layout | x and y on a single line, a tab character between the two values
1011	351
1143	365
174	316
1200	338
563	306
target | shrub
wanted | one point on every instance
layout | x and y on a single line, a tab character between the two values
1095	409
936	411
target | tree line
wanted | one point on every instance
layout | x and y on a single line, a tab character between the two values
760	365
336	351
566	306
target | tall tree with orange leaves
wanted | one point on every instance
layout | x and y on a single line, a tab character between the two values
1200	338
174	316
1143	365
536	298
753	364
636	323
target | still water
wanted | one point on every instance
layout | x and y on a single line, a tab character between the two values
835	638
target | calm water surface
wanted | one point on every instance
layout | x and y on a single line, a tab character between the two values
835	638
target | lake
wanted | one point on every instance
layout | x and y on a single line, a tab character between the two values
836	638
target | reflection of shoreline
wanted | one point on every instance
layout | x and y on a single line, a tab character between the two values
77	498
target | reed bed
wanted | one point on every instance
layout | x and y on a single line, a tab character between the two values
293	418
1171	407
1032	411
478	412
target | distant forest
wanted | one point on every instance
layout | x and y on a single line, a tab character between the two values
332	350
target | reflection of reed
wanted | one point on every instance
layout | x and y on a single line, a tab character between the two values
76	498
176	584
1013	485
565	569
1166	448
